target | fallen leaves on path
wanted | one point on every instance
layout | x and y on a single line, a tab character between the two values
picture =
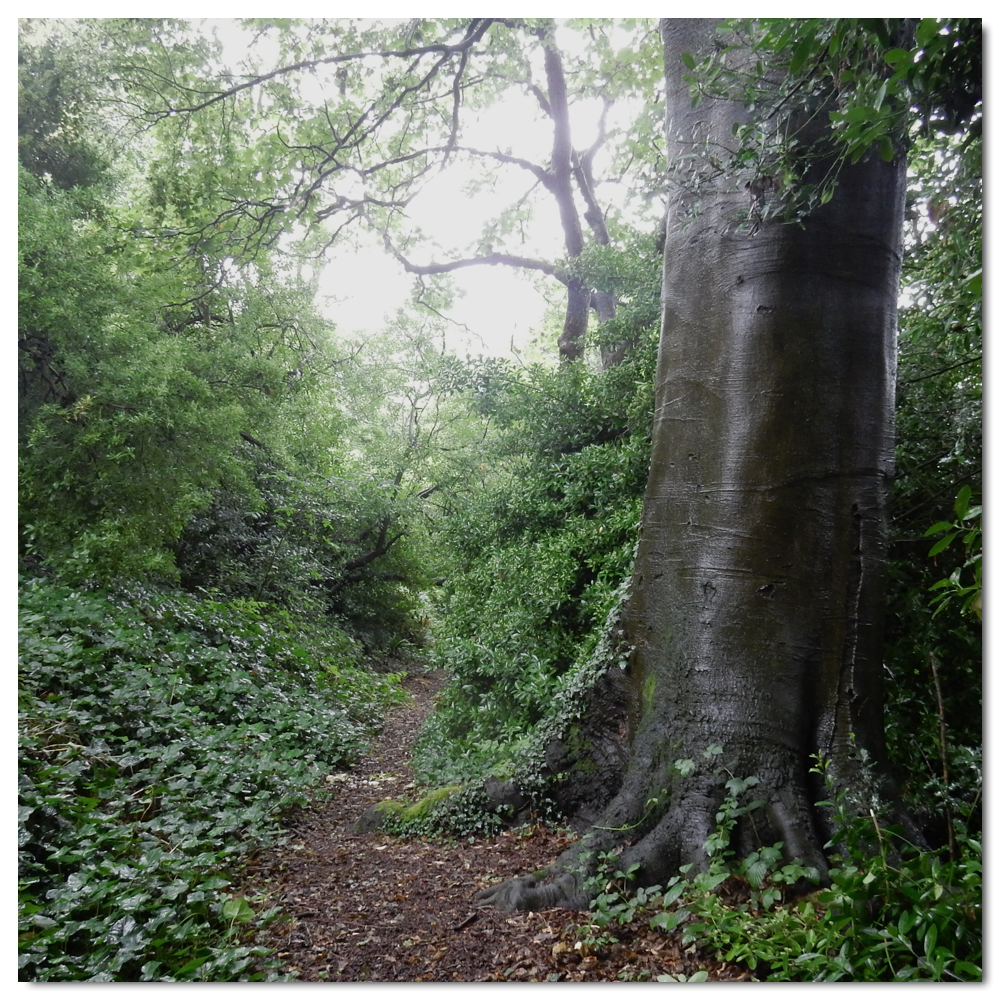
374	907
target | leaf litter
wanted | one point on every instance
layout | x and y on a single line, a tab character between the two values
372	907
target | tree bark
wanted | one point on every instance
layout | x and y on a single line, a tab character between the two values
572	340
755	616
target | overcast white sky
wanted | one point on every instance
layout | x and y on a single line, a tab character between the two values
363	286
496	303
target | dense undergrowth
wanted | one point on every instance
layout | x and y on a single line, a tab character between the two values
162	738
888	912
538	560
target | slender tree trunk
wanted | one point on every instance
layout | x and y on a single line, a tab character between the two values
603	302
572	340
755	616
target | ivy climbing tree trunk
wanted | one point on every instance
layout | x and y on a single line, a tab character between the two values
755	614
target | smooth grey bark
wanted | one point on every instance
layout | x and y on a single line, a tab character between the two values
756	608
572	339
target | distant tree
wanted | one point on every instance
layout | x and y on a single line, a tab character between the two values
56	137
391	113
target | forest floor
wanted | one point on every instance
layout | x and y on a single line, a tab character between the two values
381	908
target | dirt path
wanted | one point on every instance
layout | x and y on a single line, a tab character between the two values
373	907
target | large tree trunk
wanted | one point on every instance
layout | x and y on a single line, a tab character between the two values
755	614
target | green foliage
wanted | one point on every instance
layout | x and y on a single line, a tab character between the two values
938	456
56	136
869	84
968	524
631	270
161	739
130	414
183	411
882	918
889	912
539	556
299	541
611	903
919	919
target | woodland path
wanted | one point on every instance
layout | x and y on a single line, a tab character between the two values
375	907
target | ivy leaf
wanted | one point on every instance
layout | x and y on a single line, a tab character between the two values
859	113
237	910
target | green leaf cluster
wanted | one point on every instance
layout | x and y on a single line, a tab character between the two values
914	920
902	917
130	410
826	92
539	556
162	737
967	525
886	913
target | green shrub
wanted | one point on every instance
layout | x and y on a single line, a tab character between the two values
882	919
161	738
538	559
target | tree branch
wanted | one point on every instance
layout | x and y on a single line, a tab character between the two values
477	28
543	101
508	260
541	173
583	172
941	371
456	91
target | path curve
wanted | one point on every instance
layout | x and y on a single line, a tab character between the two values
375	907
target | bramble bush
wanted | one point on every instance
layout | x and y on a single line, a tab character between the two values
162	736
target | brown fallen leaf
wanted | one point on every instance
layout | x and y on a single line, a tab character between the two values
401	918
